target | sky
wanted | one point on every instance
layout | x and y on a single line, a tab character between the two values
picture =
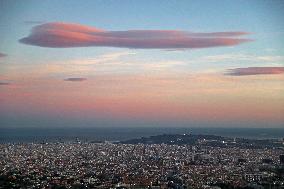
106	63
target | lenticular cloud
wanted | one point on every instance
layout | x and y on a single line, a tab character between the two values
63	35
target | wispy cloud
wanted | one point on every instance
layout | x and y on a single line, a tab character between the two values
104	58
62	35
75	79
107	62
255	71
242	57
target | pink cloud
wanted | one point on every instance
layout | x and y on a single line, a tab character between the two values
63	35
255	71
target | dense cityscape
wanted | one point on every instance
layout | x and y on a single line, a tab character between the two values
105	164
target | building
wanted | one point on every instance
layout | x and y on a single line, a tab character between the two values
281	159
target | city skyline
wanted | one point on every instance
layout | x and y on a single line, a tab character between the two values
150	63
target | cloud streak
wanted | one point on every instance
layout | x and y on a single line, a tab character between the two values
75	79
2	55
64	35
4	83
255	71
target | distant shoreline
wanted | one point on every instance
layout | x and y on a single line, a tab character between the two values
119	134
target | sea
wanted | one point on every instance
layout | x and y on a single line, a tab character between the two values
34	135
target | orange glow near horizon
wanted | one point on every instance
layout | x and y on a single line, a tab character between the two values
209	97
